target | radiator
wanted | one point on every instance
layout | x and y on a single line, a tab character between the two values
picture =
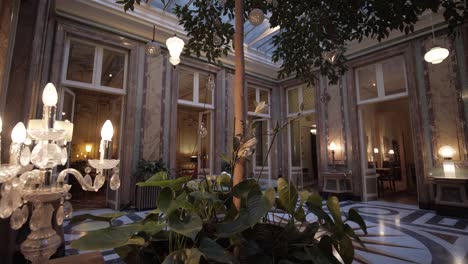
146	197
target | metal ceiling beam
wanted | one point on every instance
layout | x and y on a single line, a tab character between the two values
264	34
167	5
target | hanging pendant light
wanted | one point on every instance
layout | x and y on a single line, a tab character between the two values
153	49
256	17
175	46
436	54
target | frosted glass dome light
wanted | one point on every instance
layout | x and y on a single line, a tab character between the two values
436	55
49	95
446	152
175	46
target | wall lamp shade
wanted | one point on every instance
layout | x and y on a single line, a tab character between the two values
88	148
447	152
18	134
107	131
391	152
376	151
175	46
332	146
436	55
49	95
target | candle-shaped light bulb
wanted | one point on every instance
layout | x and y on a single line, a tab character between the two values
107	131
49	95
18	134
332	146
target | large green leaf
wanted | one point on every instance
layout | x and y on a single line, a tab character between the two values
242	189
346	250
165	199
204	195
315	199
333	205
230	228
103	217
213	251
258	205
106	238
288	195
151	227
355	217
174	184
160	176
188	224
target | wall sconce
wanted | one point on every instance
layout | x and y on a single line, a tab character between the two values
332	149
313	130
88	148
376	151
448	165
391	152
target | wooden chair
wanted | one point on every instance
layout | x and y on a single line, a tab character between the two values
386	176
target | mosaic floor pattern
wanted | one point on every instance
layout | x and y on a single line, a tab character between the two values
397	234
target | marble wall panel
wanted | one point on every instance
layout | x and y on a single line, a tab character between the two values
151	142
335	121
444	102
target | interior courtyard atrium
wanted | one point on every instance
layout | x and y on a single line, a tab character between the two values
233	131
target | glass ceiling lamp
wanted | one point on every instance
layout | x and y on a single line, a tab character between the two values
332	55
256	17
175	46
153	49
436	54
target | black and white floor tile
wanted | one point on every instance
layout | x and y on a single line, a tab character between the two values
397	234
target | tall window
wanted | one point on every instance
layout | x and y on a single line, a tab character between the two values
256	95
196	88
381	81
300	99
92	66
261	123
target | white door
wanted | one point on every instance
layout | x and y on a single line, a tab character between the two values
205	143
295	153
369	176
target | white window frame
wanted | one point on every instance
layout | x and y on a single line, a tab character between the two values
95	84
300	101
196	92
257	99
380	83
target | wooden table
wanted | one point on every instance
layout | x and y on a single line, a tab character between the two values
88	258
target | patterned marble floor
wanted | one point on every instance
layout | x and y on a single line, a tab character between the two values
398	234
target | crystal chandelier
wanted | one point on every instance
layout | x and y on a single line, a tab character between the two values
30	184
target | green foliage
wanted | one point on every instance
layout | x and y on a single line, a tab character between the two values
148	168
200	223
308	29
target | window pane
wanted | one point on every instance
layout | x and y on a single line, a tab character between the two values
264	97
205	95
308	95
394	76
113	69
80	62
186	85
367	83
251	99
261	148
295	143
293	100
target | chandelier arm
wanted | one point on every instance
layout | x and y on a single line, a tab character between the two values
78	176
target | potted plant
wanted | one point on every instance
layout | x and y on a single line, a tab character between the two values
145	196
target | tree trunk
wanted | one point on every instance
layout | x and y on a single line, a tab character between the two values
239	107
